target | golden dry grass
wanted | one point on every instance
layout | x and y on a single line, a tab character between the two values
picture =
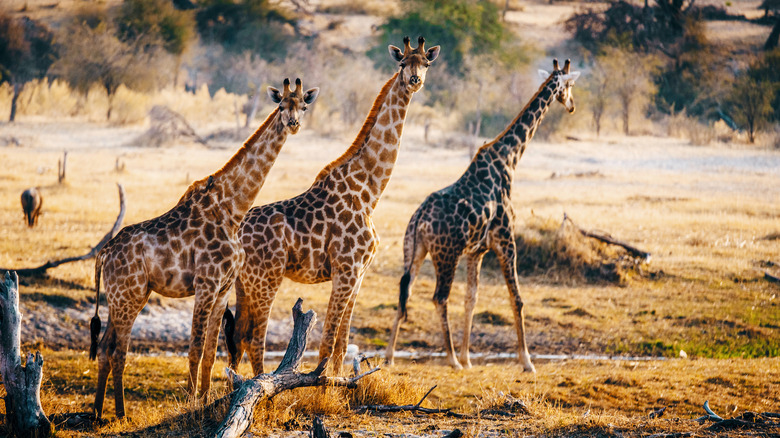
703	291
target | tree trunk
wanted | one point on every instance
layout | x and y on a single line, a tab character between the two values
18	87
61	164
774	36
24	414
250	115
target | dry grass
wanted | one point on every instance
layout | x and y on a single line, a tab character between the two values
703	291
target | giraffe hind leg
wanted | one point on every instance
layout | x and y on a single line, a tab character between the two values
407	281
445	274
106	348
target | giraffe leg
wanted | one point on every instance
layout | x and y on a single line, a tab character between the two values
261	299
342	336
212	337
205	301
445	274
412	270
105	349
474	264
344	282
507	259
123	325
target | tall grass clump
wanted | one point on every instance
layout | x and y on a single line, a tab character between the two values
560	253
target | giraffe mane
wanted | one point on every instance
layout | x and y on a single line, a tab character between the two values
364	130
520	114
238	156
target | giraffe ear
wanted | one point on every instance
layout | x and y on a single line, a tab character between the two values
274	94
311	95
543	74
432	53
571	77
395	52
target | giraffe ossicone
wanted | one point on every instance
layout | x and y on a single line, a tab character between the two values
475	215
192	249
327	232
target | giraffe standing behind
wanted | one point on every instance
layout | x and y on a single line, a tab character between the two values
326	233
192	249
475	215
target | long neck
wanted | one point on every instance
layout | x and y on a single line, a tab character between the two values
366	166
235	186
511	143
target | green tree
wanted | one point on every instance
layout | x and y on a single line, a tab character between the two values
630	81
94	55
258	26
26	53
751	104
157	22
470	32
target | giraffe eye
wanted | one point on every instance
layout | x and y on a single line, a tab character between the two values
403	65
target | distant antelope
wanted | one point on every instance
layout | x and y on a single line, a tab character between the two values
31	205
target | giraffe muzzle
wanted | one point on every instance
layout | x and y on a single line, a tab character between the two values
414	80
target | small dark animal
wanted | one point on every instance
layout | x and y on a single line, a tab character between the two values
31	205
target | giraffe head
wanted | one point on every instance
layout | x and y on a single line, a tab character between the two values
414	63
292	104
562	81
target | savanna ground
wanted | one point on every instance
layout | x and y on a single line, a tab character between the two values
707	214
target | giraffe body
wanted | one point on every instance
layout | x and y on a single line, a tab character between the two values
193	249
326	233
475	215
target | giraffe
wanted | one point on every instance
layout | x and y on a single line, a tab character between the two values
326	233
475	215
192	249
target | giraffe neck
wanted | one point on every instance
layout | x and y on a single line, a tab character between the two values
232	190
365	168
510	144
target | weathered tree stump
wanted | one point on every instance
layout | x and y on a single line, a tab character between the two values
287	376
25	417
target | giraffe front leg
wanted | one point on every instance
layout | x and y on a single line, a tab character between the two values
205	300
342	337
506	258
212	338
474	265
344	283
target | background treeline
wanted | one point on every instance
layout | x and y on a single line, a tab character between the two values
648	66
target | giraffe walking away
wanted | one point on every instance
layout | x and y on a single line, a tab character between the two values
326	233
475	215
192	249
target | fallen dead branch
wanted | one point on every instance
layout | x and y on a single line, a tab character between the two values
608	239
240	404
287	376
771	278
40	271
747	420
24	413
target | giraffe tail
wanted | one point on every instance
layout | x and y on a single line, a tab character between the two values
406	279
403	297
94	324
230	329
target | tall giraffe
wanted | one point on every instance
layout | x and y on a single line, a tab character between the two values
192	249
475	215
326	233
